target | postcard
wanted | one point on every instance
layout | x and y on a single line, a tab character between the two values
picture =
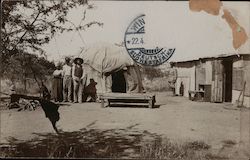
125	79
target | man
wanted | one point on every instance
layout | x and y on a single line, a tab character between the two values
172	78
79	79
67	80
181	89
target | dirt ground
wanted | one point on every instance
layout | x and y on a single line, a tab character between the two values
175	118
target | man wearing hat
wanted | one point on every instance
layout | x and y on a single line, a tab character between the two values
78	74
67	80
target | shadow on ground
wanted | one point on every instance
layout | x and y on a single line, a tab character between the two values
84	143
113	143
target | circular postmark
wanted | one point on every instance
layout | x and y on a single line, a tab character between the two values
135	44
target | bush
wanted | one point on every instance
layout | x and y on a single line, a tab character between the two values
165	149
151	73
157	84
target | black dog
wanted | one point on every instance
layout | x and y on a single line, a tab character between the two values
51	112
50	109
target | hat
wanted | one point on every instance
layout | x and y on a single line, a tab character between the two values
78	59
67	59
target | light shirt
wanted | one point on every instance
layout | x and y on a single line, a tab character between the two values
57	73
67	70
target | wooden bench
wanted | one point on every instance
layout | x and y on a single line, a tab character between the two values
196	95
128	98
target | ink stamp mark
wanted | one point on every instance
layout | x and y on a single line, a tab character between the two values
135	44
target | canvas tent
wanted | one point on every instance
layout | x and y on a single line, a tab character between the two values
112	68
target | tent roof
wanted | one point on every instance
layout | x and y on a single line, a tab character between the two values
105	57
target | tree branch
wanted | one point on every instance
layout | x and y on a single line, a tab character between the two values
20	40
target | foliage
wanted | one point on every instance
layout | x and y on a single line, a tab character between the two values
156	85
25	65
27	25
109	144
153	72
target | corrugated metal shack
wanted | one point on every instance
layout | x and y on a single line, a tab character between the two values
224	78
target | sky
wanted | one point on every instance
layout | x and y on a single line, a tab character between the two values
168	24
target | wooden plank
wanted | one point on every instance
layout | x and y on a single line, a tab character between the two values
129	100
207	93
149	103
4	98
247	77
243	94
217	83
237	82
128	104
126	96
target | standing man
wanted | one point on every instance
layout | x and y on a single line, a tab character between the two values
67	80
79	78
172	78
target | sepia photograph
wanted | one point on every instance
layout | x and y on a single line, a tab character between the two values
125	79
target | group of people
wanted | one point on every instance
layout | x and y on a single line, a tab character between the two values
72	77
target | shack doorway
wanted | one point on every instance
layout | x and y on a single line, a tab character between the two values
228	67
118	82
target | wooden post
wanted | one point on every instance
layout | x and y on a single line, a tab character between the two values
102	103
243	94
108	103
150	103
0	86
1	56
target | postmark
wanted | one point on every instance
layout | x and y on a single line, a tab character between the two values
134	41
